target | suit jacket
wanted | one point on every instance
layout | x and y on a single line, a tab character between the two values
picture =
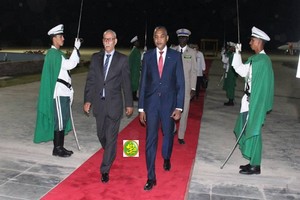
169	89
189	60
117	81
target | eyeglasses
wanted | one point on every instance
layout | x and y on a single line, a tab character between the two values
108	39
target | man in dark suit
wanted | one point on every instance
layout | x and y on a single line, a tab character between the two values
108	77
161	99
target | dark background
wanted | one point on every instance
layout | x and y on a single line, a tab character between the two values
26	22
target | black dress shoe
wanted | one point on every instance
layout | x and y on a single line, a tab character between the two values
181	141
167	164
135	99
251	170
229	103
149	185
245	166
58	151
105	177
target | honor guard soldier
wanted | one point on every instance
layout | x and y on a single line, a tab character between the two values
257	100
135	66
56	94
229	75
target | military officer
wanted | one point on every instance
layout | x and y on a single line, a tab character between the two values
189	57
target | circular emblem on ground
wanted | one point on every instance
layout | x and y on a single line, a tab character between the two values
130	148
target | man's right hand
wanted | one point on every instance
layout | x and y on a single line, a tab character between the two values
87	107
77	43
223	51
238	47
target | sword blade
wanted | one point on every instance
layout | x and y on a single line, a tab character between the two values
236	143
74	130
145	34
79	21
238	20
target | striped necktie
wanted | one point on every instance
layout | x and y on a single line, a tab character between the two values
105	67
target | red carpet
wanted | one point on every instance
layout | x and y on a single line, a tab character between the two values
129	175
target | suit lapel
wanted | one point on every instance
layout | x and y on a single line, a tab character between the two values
167	60
113	64
100	62
153	62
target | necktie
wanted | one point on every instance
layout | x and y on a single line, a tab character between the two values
106	65
105	71
181	50
160	63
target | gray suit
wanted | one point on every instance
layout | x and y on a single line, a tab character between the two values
190	79
108	111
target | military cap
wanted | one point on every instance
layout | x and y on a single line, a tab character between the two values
257	33
183	32
59	29
134	39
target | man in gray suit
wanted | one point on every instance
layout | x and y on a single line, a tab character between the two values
189	57
108	77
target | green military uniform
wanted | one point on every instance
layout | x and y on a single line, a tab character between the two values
260	102
45	110
230	78
135	67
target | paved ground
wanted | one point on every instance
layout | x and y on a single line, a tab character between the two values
280	177
28	171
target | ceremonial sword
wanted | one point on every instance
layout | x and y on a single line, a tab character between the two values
236	143
71	114
221	79
74	130
242	132
224	46
145	35
238	20
79	21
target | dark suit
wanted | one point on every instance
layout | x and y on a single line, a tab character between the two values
108	111
159	97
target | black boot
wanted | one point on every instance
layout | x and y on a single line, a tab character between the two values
229	103
134	97
57	150
62	140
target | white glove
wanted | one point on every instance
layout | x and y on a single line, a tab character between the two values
223	51
238	47
77	43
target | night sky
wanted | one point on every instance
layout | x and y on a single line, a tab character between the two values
26	22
